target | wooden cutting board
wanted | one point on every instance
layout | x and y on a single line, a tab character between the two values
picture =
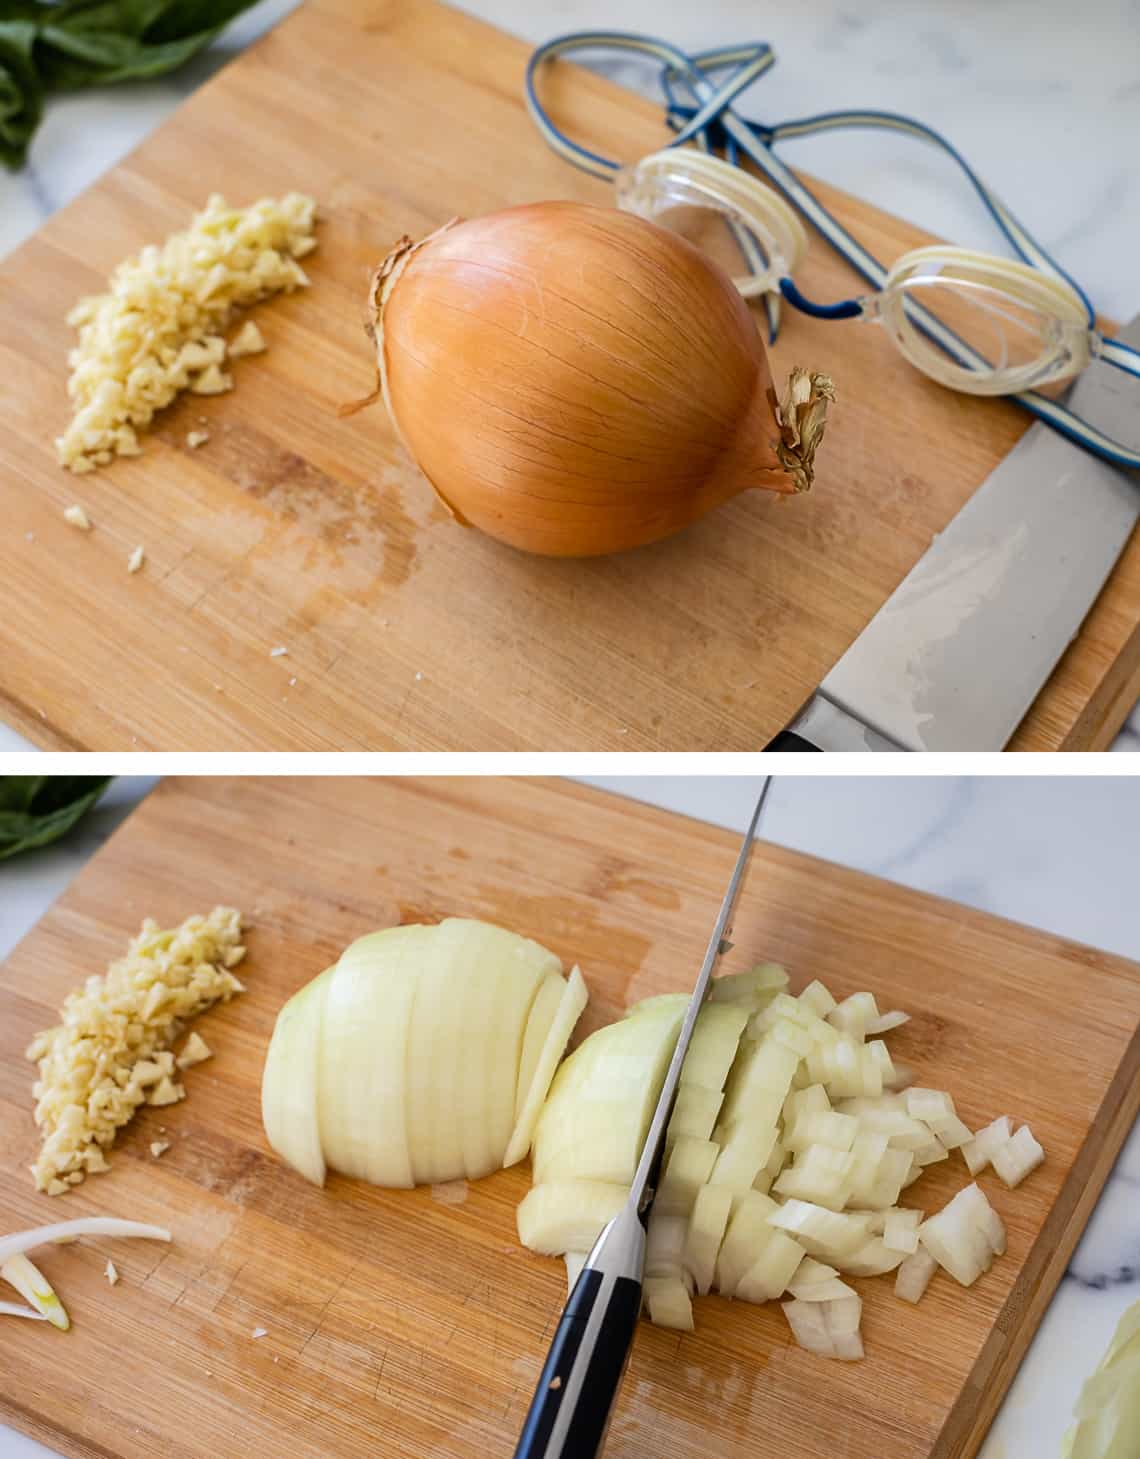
402	1326
293	528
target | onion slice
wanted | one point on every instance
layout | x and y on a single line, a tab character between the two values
289	1107
21	1241
17	1309
569	1010
32	1285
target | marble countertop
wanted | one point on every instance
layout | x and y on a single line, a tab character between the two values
994	843
1043	98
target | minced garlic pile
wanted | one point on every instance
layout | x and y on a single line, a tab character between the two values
156	331
110	1054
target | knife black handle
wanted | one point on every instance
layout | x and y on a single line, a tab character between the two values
583	1370
788	740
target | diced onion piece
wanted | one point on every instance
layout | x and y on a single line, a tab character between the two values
757	986
694	1113
830	1329
714	1044
825	1127
575	1261
689	1167
849	1347
827	1291
808	1321
886	1021
665	1244
974	1202
708	1223
930	1152
958	1237
826	1235
763	1107
773	1269
951	1132
769	1066
812	1100
811	1273
780	1008
871	1171
743	1156
817	998
572	1001
877	1058
567	1215
913	1277
929	1104
872	1259
854	1014
902	1077
821	1175
32	1285
844	1315
792	1036
1014	1158
744	1240
776	1160
897	1169
668	1303
978	1152
900	1229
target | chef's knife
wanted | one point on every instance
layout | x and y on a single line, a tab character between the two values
962	647
570	1411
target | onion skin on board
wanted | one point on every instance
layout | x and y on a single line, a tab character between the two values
574	380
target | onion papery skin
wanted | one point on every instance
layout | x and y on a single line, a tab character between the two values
575	380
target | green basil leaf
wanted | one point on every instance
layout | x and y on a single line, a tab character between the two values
47	46
21	90
38	809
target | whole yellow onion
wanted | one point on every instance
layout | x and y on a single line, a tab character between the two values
575	380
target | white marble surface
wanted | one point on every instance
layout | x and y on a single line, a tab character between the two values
1057	853
1042	95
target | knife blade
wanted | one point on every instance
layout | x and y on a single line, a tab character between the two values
962	647
570	1411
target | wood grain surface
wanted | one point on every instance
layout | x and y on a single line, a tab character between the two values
401	1326
294	528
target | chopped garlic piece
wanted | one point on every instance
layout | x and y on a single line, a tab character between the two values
278	653
159	322
194	439
247	341
260	1332
97	1066
194	1051
159	1147
77	517
211	381
111	1272
166	1092
136	559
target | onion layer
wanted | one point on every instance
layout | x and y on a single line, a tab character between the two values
423	1056
575	380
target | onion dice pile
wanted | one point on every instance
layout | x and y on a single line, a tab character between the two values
793	1137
